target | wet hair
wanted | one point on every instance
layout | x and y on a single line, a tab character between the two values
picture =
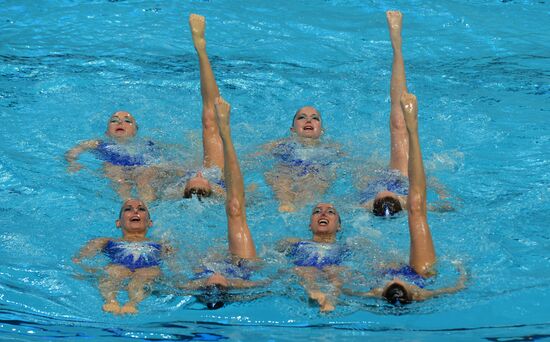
386	206
214	296
199	192
396	293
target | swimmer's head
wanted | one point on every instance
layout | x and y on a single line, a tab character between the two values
121	125
386	205
325	220
213	296
307	123
197	186
134	217
396	293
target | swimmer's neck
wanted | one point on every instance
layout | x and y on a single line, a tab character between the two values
308	141
324	238
120	140
134	237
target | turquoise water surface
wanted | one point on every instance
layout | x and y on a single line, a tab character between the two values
480	72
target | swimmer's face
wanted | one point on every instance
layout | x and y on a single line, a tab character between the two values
122	125
134	217
197	185
324	219
307	123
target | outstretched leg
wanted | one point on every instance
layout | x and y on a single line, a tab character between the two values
240	240
398	85
212	145
109	286
144	183
422	253
308	280
119	180
140	280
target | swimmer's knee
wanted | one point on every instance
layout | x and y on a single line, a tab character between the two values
416	204
397	124
234	207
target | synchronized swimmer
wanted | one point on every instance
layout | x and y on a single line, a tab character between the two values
304	171
305	164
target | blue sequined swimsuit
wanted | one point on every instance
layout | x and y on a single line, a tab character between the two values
319	255
133	255
408	274
304	159
385	180
226	268
130	154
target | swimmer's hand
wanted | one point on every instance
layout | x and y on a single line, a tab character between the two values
87	269
74	167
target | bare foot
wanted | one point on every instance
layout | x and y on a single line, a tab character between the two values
395	23
112	307
222	112
287	208
409	106
128	308
197	25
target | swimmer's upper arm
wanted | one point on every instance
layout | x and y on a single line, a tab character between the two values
376	292
460	284
73	153
91	248
218	190
266	148
402	200
167	249
368	205
247	284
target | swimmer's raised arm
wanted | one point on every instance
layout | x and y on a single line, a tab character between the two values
72	155
240	239
91	249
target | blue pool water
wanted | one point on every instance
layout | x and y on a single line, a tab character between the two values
480	71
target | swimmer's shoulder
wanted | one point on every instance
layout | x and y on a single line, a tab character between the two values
83	146
90	144
285	244
100	243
